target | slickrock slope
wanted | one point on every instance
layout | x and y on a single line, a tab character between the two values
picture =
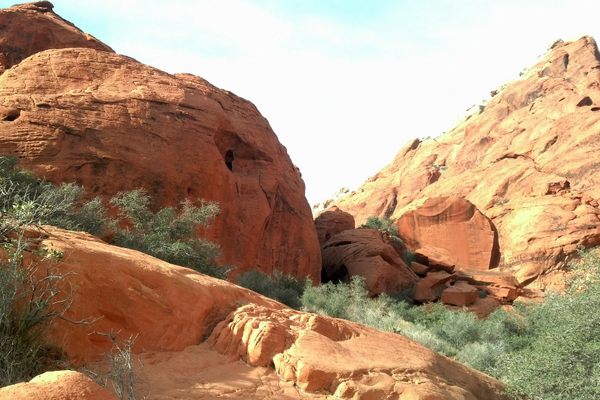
288	354
30	28
528	161
111	123
123	290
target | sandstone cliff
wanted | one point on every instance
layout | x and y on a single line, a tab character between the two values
528	161
110	123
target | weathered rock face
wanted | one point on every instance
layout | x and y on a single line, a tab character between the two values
57	385
350	361
332	222
125	291
285	352
112	124
528	161
30	28
370	254
456	225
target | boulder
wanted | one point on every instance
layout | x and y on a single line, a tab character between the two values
455	225
33	27
368	253
431	287
57	385
419	269
332	222
344	359
435	258
512	161
501	285
111	124
460	294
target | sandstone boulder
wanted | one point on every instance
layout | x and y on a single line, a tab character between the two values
332	222
111	124
460	294
370	254
512	161
57	385
455	225
30	28
435	258
431	287
501	285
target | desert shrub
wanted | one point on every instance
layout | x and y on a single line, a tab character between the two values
167	234
558	356
381	223
336	300
280	287
29	301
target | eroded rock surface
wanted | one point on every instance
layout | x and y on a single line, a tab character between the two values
110	123
332	222
368	253
33	27
322	354
455	225
528	161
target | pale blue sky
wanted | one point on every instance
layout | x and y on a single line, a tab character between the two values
344	83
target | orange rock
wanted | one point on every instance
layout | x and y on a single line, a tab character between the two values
435	258
332	222
501	285
460	294
167	307
431	287
455	225
57	385
111	124
370	254
30	28
512	161
350	361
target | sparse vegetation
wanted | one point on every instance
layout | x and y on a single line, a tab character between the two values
278	286
547	351
384	224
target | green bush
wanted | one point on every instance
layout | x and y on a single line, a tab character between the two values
29	301
167	234
381	223
283	288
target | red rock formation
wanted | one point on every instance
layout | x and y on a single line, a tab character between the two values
30	28
57	385
527	161
460	294
125	291
111	123
350	361
370	254
455	225
332	222
172	309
